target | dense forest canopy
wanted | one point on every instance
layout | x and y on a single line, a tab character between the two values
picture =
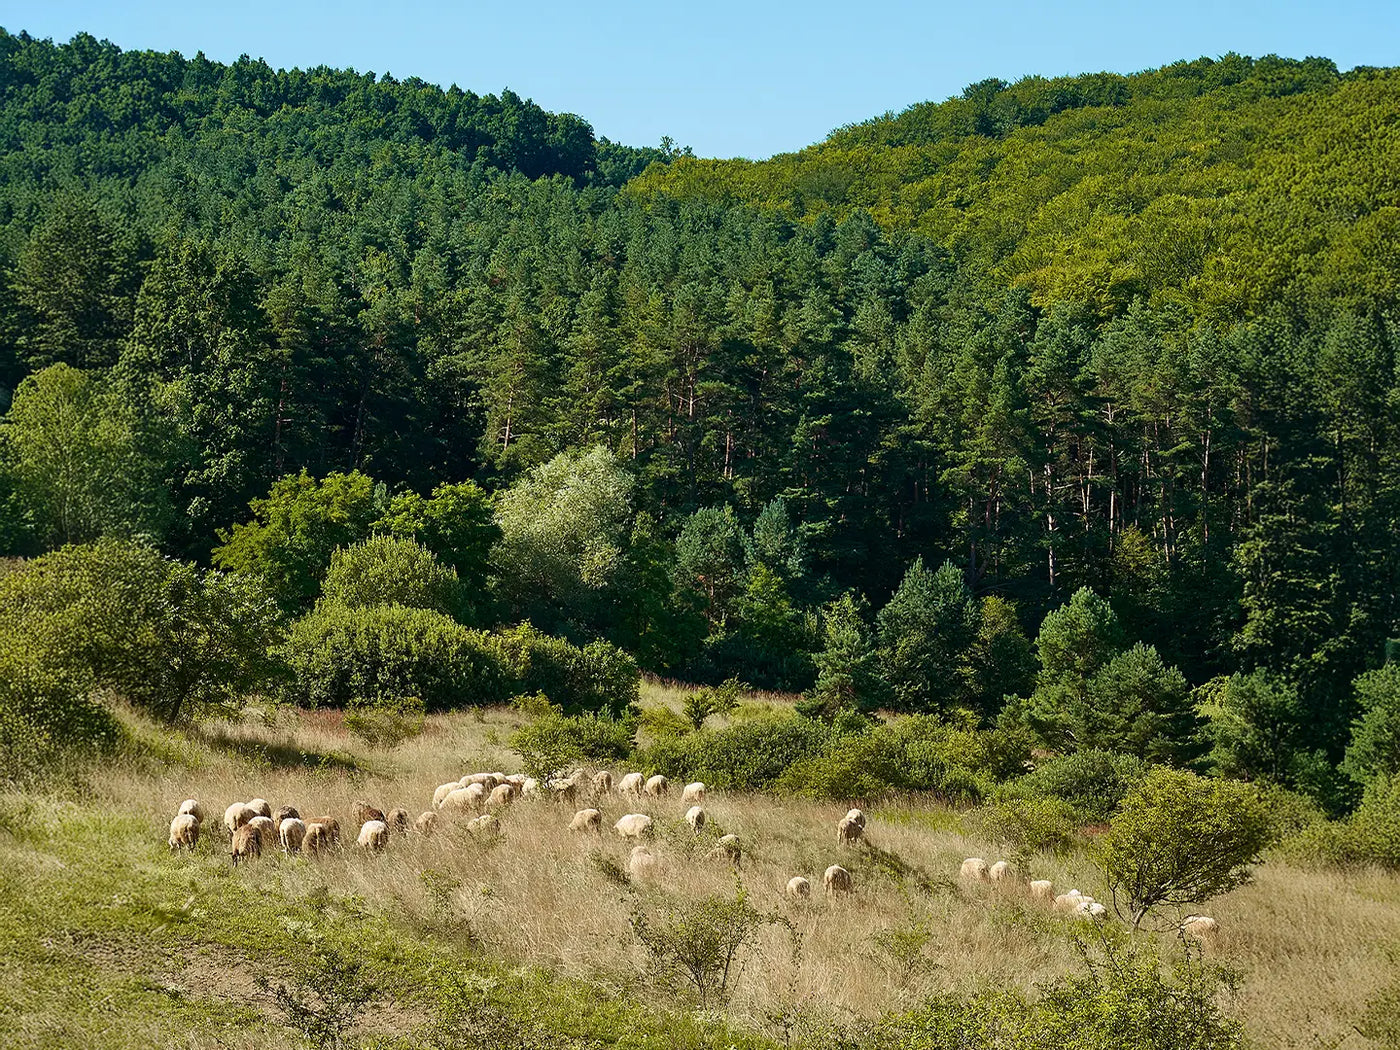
853	420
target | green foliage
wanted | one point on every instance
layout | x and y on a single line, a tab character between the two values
747	756
597	677
1370	835
1027	826
1254	724
1136	705
1179	839
551	742
713	700
327	998
46	715
1375	736
296	528
386	722
710	559
925	632
1091	782
386	570
1000	660
849	673
384	655
456	523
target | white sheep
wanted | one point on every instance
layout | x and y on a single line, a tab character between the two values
184	831
192	807
693	792
443	790
267	831
530	789
374	835
292	832
467	798
236	816
478	778
643	864
631	784
837	880
856	816
563	791
318	838
848	832
484	825
799	888
657	786
1068	901
503	794
695	817
1043	890
587	820
1001	872
975	869
1089	909
426	823
1200	926
602	782
260	806
633	826
518	779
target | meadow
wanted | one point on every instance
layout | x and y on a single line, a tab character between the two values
108	939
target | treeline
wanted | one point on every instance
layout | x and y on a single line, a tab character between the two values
1137	336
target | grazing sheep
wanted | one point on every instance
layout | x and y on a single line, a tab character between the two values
1089	909
184	831
374	835
443	790
837	880
331	825
397	819
464	799
728	845
857	817
602	782
587	820
267	831
1068	901
193	808
563	791
693	792
365	813
695	817
657	787
975	868
285	813
799	888
1043	890
426	823
478	778
236	816
631	784
1202	927
1001	872
642	864
317	839
260	806
848	832
247	843
503	794
292	831
633	826
484	825
518	779
530	789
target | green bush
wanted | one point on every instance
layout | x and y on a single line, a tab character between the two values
46	715
389	570
1092	782
1371	835
553	741
747	756
343	657
597	677
1027	826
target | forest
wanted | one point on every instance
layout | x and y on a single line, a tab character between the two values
1104	357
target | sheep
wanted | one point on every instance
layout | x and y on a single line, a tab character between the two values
695	817
332	827
518	779
602	782
286	813
563	791
530	789
292	831
236	816
642	864
975	868
503	795
1089	909
587	820
463	799
631	784
317	839
856	817
1202	927
848	832
260	806
657	786
365	813
184	831
799	888
1001	872
193	808
426	823
397	819
693	792
1068	901
728	845
442	791
478	778
837	880
247	843
374	835
1043	890
484	825
633	826
266	830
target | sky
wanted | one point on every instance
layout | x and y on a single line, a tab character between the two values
728	78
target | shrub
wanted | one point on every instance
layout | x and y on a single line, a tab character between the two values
387	723
1092	782
1180	839
554	741
1027	826
382	655
45	715
389	570
1371	835
597	677
713	700
747	756
326	998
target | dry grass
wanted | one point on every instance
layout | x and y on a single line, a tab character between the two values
1312	945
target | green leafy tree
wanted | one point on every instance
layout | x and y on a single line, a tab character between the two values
849	674
1179	839
1137	705
1075	642
710	559
1254	725
925	632
1001	660
457	523
386	570
1374	751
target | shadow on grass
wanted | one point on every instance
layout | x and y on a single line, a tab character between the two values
901	870
274	753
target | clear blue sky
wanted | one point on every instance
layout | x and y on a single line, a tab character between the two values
729	78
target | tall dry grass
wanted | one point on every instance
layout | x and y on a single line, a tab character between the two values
1312	946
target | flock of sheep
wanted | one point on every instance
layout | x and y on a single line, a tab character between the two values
252	828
